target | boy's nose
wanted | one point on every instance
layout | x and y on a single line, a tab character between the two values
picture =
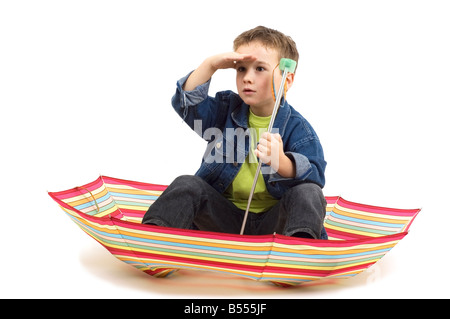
248	77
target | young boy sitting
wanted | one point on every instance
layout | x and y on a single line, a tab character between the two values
288	197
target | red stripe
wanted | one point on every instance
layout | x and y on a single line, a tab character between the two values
77	191
331	199
377	209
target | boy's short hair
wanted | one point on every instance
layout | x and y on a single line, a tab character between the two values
270	38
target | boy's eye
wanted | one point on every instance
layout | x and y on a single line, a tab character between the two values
240	69
260	69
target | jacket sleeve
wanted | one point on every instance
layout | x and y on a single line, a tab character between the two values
308	158
308	168
309	162
195	107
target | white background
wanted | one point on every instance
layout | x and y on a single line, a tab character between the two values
85	89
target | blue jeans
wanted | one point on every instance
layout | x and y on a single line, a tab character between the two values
191	203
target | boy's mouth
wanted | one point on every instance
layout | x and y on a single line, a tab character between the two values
249	91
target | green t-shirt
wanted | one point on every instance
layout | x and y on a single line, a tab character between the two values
239	190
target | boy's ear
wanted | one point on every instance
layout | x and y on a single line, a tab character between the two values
289	80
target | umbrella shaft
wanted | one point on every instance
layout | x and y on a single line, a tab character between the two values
269	129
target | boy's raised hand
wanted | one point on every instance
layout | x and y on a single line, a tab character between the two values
221	61
228	60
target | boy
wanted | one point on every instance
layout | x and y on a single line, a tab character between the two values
288	198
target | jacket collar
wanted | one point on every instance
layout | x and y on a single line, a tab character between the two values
240	116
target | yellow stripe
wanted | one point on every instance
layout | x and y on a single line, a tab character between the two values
106	212
85	198
136	220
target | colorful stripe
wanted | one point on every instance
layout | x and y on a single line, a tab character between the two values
110	211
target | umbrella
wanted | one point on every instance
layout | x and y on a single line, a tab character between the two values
110	210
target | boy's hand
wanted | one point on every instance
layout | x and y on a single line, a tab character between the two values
270	151
221	61
228	60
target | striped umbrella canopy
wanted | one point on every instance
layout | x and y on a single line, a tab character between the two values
110	210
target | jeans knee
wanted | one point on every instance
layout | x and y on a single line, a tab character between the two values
309	194
309	190
306	209
188	181
308	187
189	184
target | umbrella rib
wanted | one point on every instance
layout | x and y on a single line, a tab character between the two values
115	204
95	201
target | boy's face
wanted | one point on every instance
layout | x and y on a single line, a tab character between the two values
254	78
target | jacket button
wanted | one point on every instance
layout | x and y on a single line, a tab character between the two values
235	164
218	145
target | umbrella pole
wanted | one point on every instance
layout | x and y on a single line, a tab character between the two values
286	65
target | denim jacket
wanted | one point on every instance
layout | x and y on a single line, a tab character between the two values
223	121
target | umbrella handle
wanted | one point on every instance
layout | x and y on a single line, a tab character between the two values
98	210
287	66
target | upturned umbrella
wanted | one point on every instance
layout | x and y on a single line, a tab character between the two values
110	210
